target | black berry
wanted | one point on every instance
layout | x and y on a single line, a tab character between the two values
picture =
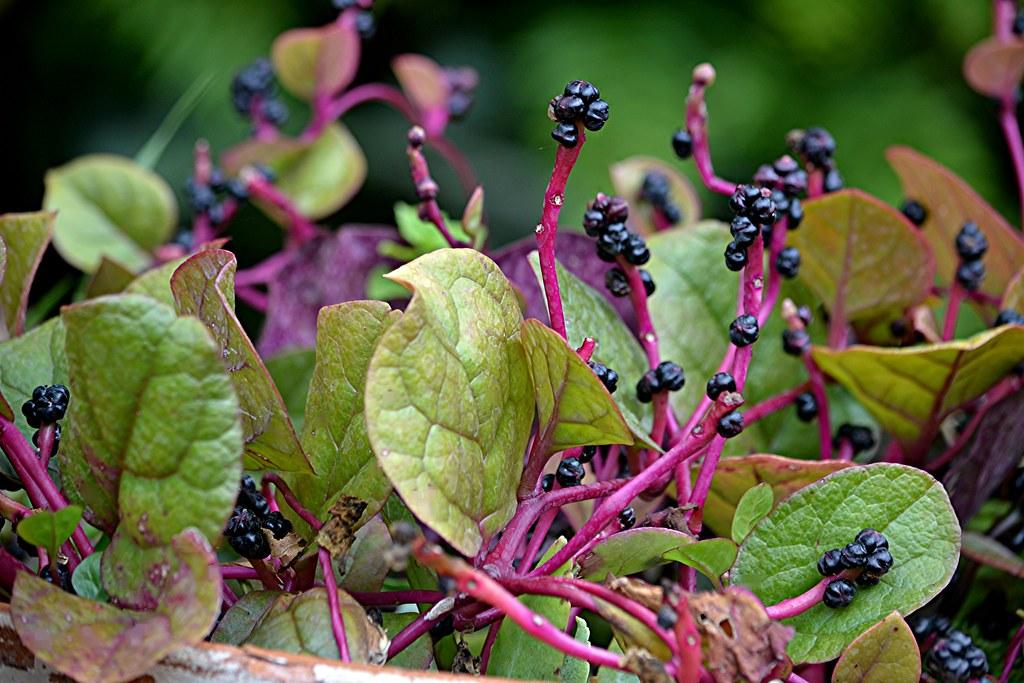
627	518
366	26
795	213
795	183
872	540
839	593
743	230
585	90
648	281
255	80
609	378
670	376
547	482
806	407
744	330
879	562
830	563
971	274
568	108
785	165
647	386
277	525
795	342
788	262
616	283
859	436
682	143
62	579
833	181
49	403
587	454
736	257
569	473
720	383
596	116
251	499
252	545
667	616
817	146
914	212
854	555
635	250
971	244
566	134
730	424
1008	316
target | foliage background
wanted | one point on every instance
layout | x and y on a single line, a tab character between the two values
98	75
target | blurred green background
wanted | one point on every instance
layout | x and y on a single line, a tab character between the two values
99	75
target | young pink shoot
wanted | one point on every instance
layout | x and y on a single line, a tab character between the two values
956	297
697	125
426	188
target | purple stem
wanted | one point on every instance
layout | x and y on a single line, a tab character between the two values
292	501
773	404
253	298
821	398
337	621
485	653
264	271
793	678
410	634
301	229
369	92
696	124
1011	654
695	515
801	603
774	280
237	573
1004	388
956	296
426	188
540	532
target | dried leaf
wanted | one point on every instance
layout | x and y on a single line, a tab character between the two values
338	531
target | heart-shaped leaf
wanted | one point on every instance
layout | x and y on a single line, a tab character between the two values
1013	297
573	407
49	529
692	309
628	179
448	398
421	235
885	653
318	176
334	434
302	624
86	579
994	67
753	506
991	552
312	62
631	551
950	202
204	286
109	206
588	314
712	557
910	390
424	82
24	236
291	321
862	257
735	476
34	358
162	429
241	619
98	643
778	560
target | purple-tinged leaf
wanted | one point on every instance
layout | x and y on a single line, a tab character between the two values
110	278
329	270
24	237
311	62
576	253
997	447
885	653
425	84
628	178
994	67
992	553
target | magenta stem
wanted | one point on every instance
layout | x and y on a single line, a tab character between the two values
238	573
292	501
801	603
410	634
253	298
46	433
540	532
645	325
1011	654
337	621
369	92
547	230
956	296
485	652
696	124
695	516
264	271
773	279
457	160
773	404
705	402
268	492
845	451
586	349
1011	131
821	398
689	649
301	229
794	678
426	188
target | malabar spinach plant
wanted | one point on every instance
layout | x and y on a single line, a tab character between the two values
640	444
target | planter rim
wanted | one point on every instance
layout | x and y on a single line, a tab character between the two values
215	663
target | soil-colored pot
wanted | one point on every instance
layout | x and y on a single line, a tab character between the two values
208	663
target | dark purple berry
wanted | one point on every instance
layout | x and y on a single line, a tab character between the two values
817	146
743	230
854	555
667	616
833	181
596	116
670	376
609	378
971	244
744	330
914	212
635	250
830	563
585	90
860	437
647	386
785	165
730	424
879	562
627	518
252	545
872	540
682	143
795	213
971	274
795	342
788	262
547	482
839	593
648	281
806	407
795	183
568	108
277	524
587	454
720	383
566	134
1008	316
569	473
616	283
736	257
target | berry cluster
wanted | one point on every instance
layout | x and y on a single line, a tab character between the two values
1008	316
657	192
605	220
254	93
49	403
868	555
579	103
609	378
208	197
858	436
753	208
668	376
955	658
915	212
816	147
971	245
462	83
245	528
787	181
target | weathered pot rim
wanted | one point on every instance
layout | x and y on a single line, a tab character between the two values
213	663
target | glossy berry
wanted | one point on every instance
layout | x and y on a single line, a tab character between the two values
879	562
647	386
955	659
682	143
744	330
667	616
730	424
587	454
568	108
609	378
971	274
720	383
62	579
927	625
277	525
817	146
255	80
627	518
1008	316
744	231
670	376
872	540
763	210
252	545
795	213
585	90
915	212
830	563
795	183
806	407
596	116
833	181
547	482
274	111
49	403
251	499
785	165
971	244
859	436
593	222
839	593
854	555
866	579
615	282
766	176
655	188
742	200
569	473
736	257
795	342
648	281
635	250
788	262
566	135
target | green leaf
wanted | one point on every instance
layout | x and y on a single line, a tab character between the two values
988	551
238	623
86	579
311	62
753	506
34	358
110	278
862	257
204	286
576	670
48	529
778	559
161	430
712	557
25	236
910	390
422	235
1013	297
109	206
608	675
631	551
885	653
628	179
302	624
156	282
995	67
588	314
473	218
448	397
291	372
98	643
692	309
366	564
735	476
334	434
319	177
517	654
419	654
950	203
573	407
